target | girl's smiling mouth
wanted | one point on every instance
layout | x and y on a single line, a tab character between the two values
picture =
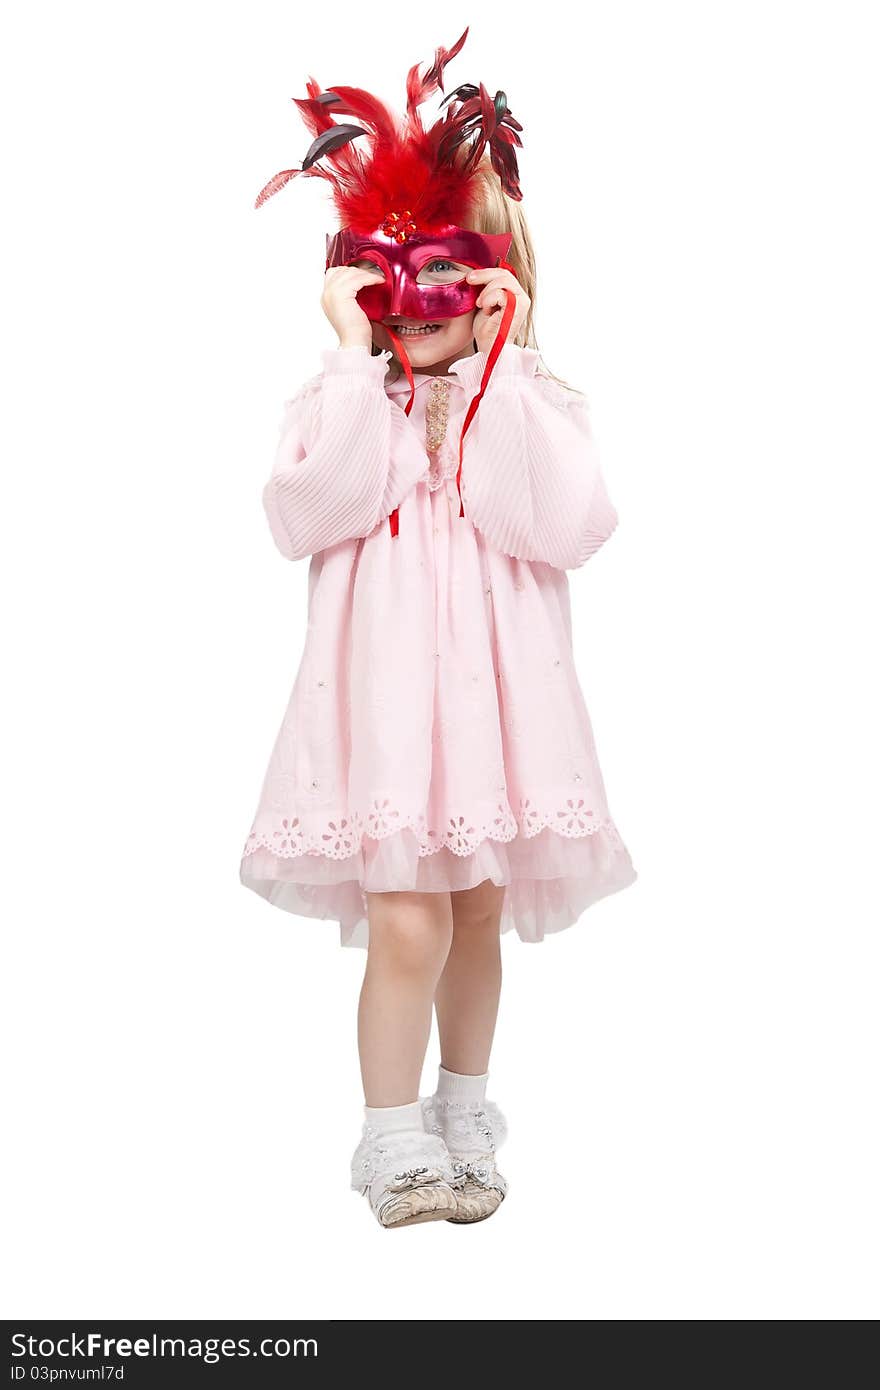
409	329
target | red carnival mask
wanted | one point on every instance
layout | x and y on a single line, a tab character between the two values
402	262
408	203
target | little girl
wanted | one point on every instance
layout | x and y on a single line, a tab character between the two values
435	780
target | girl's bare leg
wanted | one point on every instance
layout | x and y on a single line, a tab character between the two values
470	985
410	938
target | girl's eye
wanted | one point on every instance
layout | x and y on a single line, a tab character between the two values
441	271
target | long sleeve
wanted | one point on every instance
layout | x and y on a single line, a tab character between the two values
346	457
532	481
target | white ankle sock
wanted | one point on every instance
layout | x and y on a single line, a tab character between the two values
453	1085
394	1119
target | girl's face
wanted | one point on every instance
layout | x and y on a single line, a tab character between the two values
434	343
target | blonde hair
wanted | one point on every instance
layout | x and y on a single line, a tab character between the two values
498	214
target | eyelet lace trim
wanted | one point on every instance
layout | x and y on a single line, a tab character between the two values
341	835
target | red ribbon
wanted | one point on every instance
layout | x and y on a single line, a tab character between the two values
494	352
393	519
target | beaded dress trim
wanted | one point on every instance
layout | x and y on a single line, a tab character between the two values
443	463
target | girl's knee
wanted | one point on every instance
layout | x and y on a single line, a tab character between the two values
413	930
477	911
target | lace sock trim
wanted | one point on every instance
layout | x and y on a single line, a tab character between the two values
384	1155
465	1126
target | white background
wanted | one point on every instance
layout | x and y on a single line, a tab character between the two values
690	1071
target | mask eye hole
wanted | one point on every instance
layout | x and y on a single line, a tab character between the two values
367	263
442	271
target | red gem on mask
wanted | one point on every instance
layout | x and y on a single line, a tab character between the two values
398	225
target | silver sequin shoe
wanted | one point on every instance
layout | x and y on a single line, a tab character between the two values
472	1133
407	1177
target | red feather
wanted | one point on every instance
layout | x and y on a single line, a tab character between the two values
353	101
276	182
418	89
314	113
397	164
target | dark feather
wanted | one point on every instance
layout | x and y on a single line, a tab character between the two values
456	136
509	137
504	163
460	124
330	140
462	93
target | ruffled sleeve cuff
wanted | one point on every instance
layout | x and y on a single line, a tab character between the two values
512	361
356	361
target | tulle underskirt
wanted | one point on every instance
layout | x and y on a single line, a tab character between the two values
550	879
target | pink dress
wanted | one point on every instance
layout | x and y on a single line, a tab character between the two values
436	734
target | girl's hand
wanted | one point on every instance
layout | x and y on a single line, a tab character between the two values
341	284
491	302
